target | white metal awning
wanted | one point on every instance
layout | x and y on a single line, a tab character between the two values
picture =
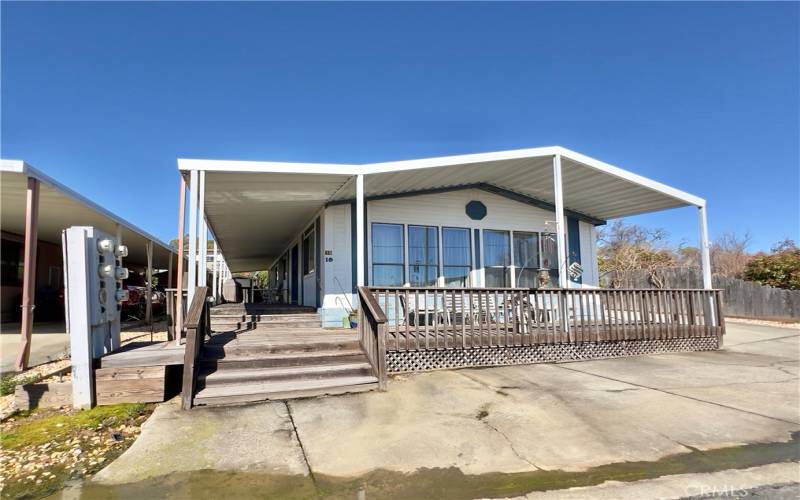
60	208
255	208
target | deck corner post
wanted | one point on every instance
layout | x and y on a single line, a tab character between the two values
29	272
382	375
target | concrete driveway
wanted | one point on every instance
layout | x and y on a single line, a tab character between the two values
519	419
49	342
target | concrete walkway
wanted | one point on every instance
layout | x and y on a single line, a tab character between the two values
568	417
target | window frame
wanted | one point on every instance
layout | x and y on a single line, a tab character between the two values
309	268
470	257
436	253
507	268
404	252
517	266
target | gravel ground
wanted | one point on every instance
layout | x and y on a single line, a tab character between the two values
773	492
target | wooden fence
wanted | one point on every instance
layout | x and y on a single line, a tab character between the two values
746	299
415	319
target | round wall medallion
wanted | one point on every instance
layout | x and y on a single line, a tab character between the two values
476	210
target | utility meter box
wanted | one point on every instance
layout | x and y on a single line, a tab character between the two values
93	275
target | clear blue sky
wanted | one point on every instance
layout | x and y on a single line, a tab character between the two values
703	97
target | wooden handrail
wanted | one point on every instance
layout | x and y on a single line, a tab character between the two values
194	315
372	304
197	322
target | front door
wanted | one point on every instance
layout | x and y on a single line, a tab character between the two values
293	276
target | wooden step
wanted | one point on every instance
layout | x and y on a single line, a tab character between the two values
209	378
255	349
283	389
282	359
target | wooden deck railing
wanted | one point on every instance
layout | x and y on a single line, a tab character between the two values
372	334
198	321
445	318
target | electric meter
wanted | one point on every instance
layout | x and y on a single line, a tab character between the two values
105	270
121	273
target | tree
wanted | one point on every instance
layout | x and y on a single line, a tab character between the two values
780	268
625	249
729	255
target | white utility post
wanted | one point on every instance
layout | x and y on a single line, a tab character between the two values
191	281
360	230
561	243
214	280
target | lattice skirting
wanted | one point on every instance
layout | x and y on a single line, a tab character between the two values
413	361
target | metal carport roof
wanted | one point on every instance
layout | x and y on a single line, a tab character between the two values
60	207
255	208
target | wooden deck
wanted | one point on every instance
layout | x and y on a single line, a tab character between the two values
144	354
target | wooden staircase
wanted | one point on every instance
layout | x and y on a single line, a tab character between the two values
261	353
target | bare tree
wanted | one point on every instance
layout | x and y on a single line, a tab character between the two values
729	255
625	249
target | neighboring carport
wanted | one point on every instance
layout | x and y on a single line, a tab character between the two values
37	208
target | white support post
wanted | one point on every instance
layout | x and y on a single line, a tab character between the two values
192	254
202	268
148	311
561	243
214	281
705	252
360	229
705	263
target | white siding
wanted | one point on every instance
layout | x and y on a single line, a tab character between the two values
337	277
589	254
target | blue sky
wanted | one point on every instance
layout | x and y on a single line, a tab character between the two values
703	97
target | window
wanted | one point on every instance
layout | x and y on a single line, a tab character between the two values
550	257
526	259
387	255
308	252
456	256
423	255
12	263
496	258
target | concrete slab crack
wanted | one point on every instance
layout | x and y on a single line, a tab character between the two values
510	444
679	395
302	448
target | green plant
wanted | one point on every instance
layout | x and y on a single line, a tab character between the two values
11	380
780	269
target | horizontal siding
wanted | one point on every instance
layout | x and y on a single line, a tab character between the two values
448	209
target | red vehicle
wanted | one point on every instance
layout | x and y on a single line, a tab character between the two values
136	305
